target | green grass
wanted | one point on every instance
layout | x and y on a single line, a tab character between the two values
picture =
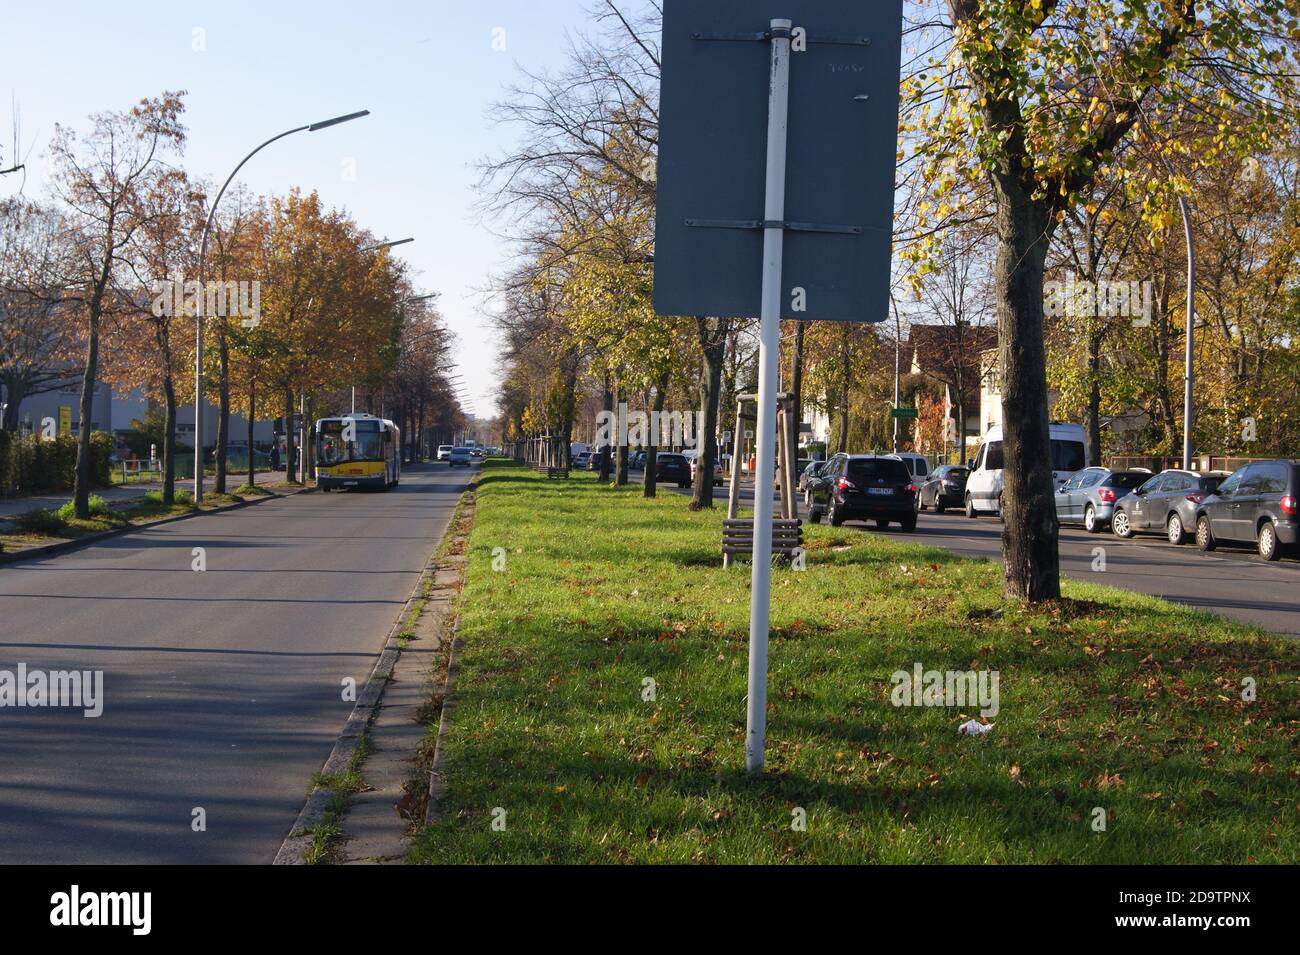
1108	699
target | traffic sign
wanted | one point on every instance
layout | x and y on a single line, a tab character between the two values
840	158
724	244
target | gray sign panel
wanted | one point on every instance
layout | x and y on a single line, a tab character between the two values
840	167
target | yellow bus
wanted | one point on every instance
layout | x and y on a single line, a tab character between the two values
357	450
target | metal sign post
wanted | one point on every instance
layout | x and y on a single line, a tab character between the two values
831	261
760	601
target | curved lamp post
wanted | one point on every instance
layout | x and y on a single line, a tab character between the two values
203	295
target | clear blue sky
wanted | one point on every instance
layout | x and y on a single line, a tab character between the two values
427	71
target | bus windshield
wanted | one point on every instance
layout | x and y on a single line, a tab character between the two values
331	449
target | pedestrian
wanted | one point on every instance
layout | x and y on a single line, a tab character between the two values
275	455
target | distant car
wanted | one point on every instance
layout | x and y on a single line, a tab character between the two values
1257	502
1165	504
457	456
944	487
1090	496
476	452
444	452
580	460
636	461
807	468
670	466
717	470
864	487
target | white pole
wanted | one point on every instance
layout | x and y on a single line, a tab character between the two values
1190	352
198	393
769	344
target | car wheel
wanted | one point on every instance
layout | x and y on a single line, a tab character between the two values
1090	520
835	515
920	501
814	515
1267	539
1121	526
970	506
881	524
1204	537
909	526
1177	533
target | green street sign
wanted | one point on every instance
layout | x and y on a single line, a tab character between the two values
902	413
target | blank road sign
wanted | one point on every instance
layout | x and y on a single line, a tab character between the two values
841	157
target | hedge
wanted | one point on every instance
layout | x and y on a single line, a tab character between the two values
29	465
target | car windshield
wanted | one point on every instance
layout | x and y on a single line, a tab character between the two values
670	459
1127	479
957	474
887	469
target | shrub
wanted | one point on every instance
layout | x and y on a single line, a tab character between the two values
40	522
97	505
29	465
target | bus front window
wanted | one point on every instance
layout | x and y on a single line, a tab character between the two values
332	449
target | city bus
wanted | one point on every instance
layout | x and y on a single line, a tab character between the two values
357	450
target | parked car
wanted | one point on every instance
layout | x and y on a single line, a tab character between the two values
670	466
1165	503
717	470
457	456
580	460
807	468
444	452
984	484
944	487
863	487
1090	496
917	464
1256	502
636	461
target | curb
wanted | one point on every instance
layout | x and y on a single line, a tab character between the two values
294	848
63	547
437	778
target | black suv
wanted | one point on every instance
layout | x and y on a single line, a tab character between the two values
863	487
1256	502
669	467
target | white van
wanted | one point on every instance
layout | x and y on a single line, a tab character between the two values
984	484
918	465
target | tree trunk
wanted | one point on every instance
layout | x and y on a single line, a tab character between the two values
223	410
652	443
16	391
1029	533
607	404
81	486
620	448
169	441
290	454
713	346
252	411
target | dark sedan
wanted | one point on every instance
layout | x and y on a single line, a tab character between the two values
945	487
863	487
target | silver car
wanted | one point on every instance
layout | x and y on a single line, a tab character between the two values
1166	504
1089	498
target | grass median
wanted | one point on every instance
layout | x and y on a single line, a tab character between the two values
1109	701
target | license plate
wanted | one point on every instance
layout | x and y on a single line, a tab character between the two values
349	483
881	490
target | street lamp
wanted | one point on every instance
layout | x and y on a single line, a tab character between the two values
203	255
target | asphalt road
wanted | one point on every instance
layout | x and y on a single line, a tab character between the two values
222	689
1231	581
